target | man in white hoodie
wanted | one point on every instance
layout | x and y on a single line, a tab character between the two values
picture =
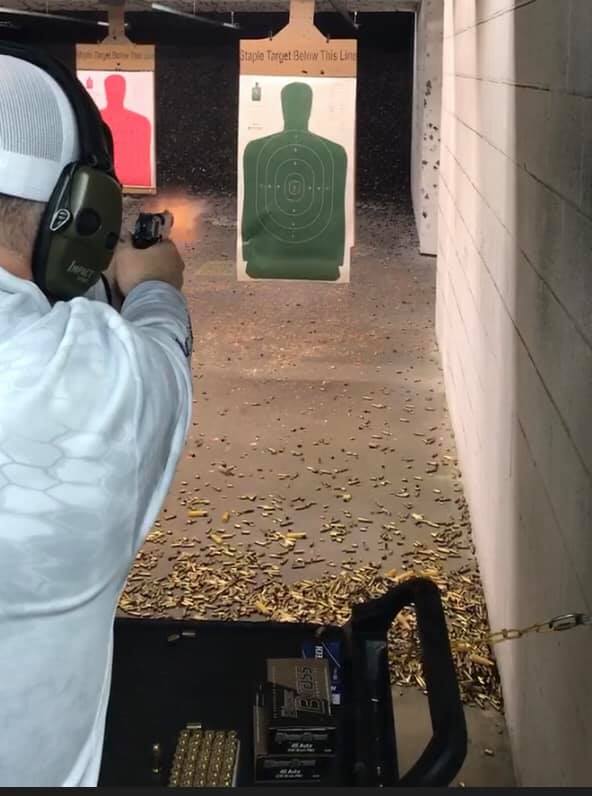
94	409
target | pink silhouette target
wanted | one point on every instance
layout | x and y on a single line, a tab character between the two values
126	103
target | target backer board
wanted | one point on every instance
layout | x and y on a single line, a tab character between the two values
119	76
296	154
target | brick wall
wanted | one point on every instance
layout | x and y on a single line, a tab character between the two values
514	322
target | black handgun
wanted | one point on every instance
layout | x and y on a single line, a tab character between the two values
152	228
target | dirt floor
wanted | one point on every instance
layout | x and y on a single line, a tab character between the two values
321	450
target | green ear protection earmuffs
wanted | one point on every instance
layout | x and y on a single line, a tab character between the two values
82	221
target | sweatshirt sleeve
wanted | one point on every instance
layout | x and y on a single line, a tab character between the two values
162	344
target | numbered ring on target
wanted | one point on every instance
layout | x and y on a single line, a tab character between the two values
295	177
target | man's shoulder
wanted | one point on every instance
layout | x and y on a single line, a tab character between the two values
60	341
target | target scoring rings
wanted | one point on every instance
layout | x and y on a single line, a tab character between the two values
295	176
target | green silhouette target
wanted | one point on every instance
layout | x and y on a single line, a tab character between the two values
293	224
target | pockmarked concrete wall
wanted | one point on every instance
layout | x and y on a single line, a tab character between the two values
514	323
427	103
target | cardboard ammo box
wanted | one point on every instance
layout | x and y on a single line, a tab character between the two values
297	714
285	767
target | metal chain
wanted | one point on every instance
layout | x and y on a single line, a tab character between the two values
558	623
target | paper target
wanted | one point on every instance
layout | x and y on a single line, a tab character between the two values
296	191
126	103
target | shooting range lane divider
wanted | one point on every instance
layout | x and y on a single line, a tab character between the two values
119	76
296	153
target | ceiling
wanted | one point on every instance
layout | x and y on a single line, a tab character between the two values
82	21
203	6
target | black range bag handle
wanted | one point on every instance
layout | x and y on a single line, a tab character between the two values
375	738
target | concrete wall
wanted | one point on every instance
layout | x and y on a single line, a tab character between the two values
514	322
427	103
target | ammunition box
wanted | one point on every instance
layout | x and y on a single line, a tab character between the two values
297	707
285	767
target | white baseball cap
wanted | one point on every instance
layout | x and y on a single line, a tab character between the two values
38	130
